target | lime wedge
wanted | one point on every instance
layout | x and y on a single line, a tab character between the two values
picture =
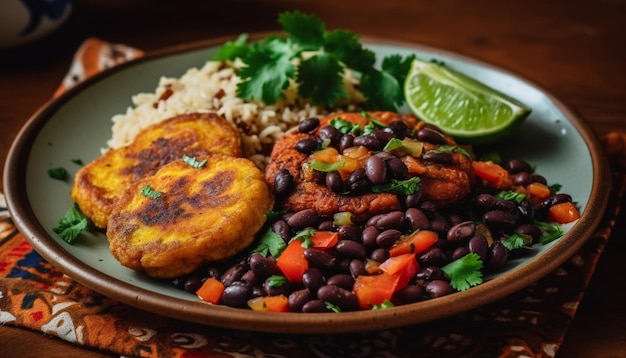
462	107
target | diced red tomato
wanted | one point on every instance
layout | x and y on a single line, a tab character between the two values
211	290
494	174
404	266
292	262
374	290
415	243
538	190
325	239
563	213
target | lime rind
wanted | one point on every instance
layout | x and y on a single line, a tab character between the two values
459	105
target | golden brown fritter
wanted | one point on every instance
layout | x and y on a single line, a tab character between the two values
201	214
99	184
443	184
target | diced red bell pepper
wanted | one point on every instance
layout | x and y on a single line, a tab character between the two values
414	243
292	262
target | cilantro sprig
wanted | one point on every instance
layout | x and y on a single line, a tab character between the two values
71	224
315	59
464	272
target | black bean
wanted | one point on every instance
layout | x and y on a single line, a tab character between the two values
433	256
326	225
376	170
368	141
413	200
315	306
213	272
349	232
399	129
439	224
334	182
342	298
499	219
506	205
346	141
319	259
391	220
357	268
303	218
431	136
307	145
478	245
331	134
282	229
497	256
526	211
461	232
409	293
237	295
536	178
360	186
459	252
522	178
416	219
257	291
250	278
387	238
437	288
430	273
438	157
351	249
308	125
369	235
396	168
263	267
273	289
379	254
383	136
515	166
192	284
233	274
313	279
342	280
297	299
356	175
485	202
283	182
455	218
531	230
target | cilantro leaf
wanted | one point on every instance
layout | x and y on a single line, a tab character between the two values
346	47
320	79
384	89
71	225
333	307
306	30
552	231
232	50
305	236
322	166
451	149
465	272
383	305
517	241
511	196
403	187
276	281
58	173
270	243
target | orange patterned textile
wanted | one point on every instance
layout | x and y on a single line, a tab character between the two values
531	322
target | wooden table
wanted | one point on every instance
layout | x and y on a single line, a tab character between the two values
573	48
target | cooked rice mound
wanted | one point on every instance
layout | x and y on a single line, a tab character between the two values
212	88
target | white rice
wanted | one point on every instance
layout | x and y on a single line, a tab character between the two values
212	88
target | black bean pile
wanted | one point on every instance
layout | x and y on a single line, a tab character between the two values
478	225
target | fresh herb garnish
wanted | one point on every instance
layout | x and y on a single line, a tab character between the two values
192	161
464	272
510	196
77	161
276	281
517	241
273	215
332	307
58	173
552	231
344	126
556	187
148	192
451	149
383	305
326	167
305	236
402	187
71	225
270	243
321	57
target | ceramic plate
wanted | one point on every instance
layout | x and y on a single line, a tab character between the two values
78	124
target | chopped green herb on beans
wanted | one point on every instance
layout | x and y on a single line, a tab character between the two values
59	173
464	272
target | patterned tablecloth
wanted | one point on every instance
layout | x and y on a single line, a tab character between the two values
531	322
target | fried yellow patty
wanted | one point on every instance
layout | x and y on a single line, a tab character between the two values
99	184
170	223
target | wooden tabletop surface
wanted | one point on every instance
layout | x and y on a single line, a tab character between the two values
575	49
